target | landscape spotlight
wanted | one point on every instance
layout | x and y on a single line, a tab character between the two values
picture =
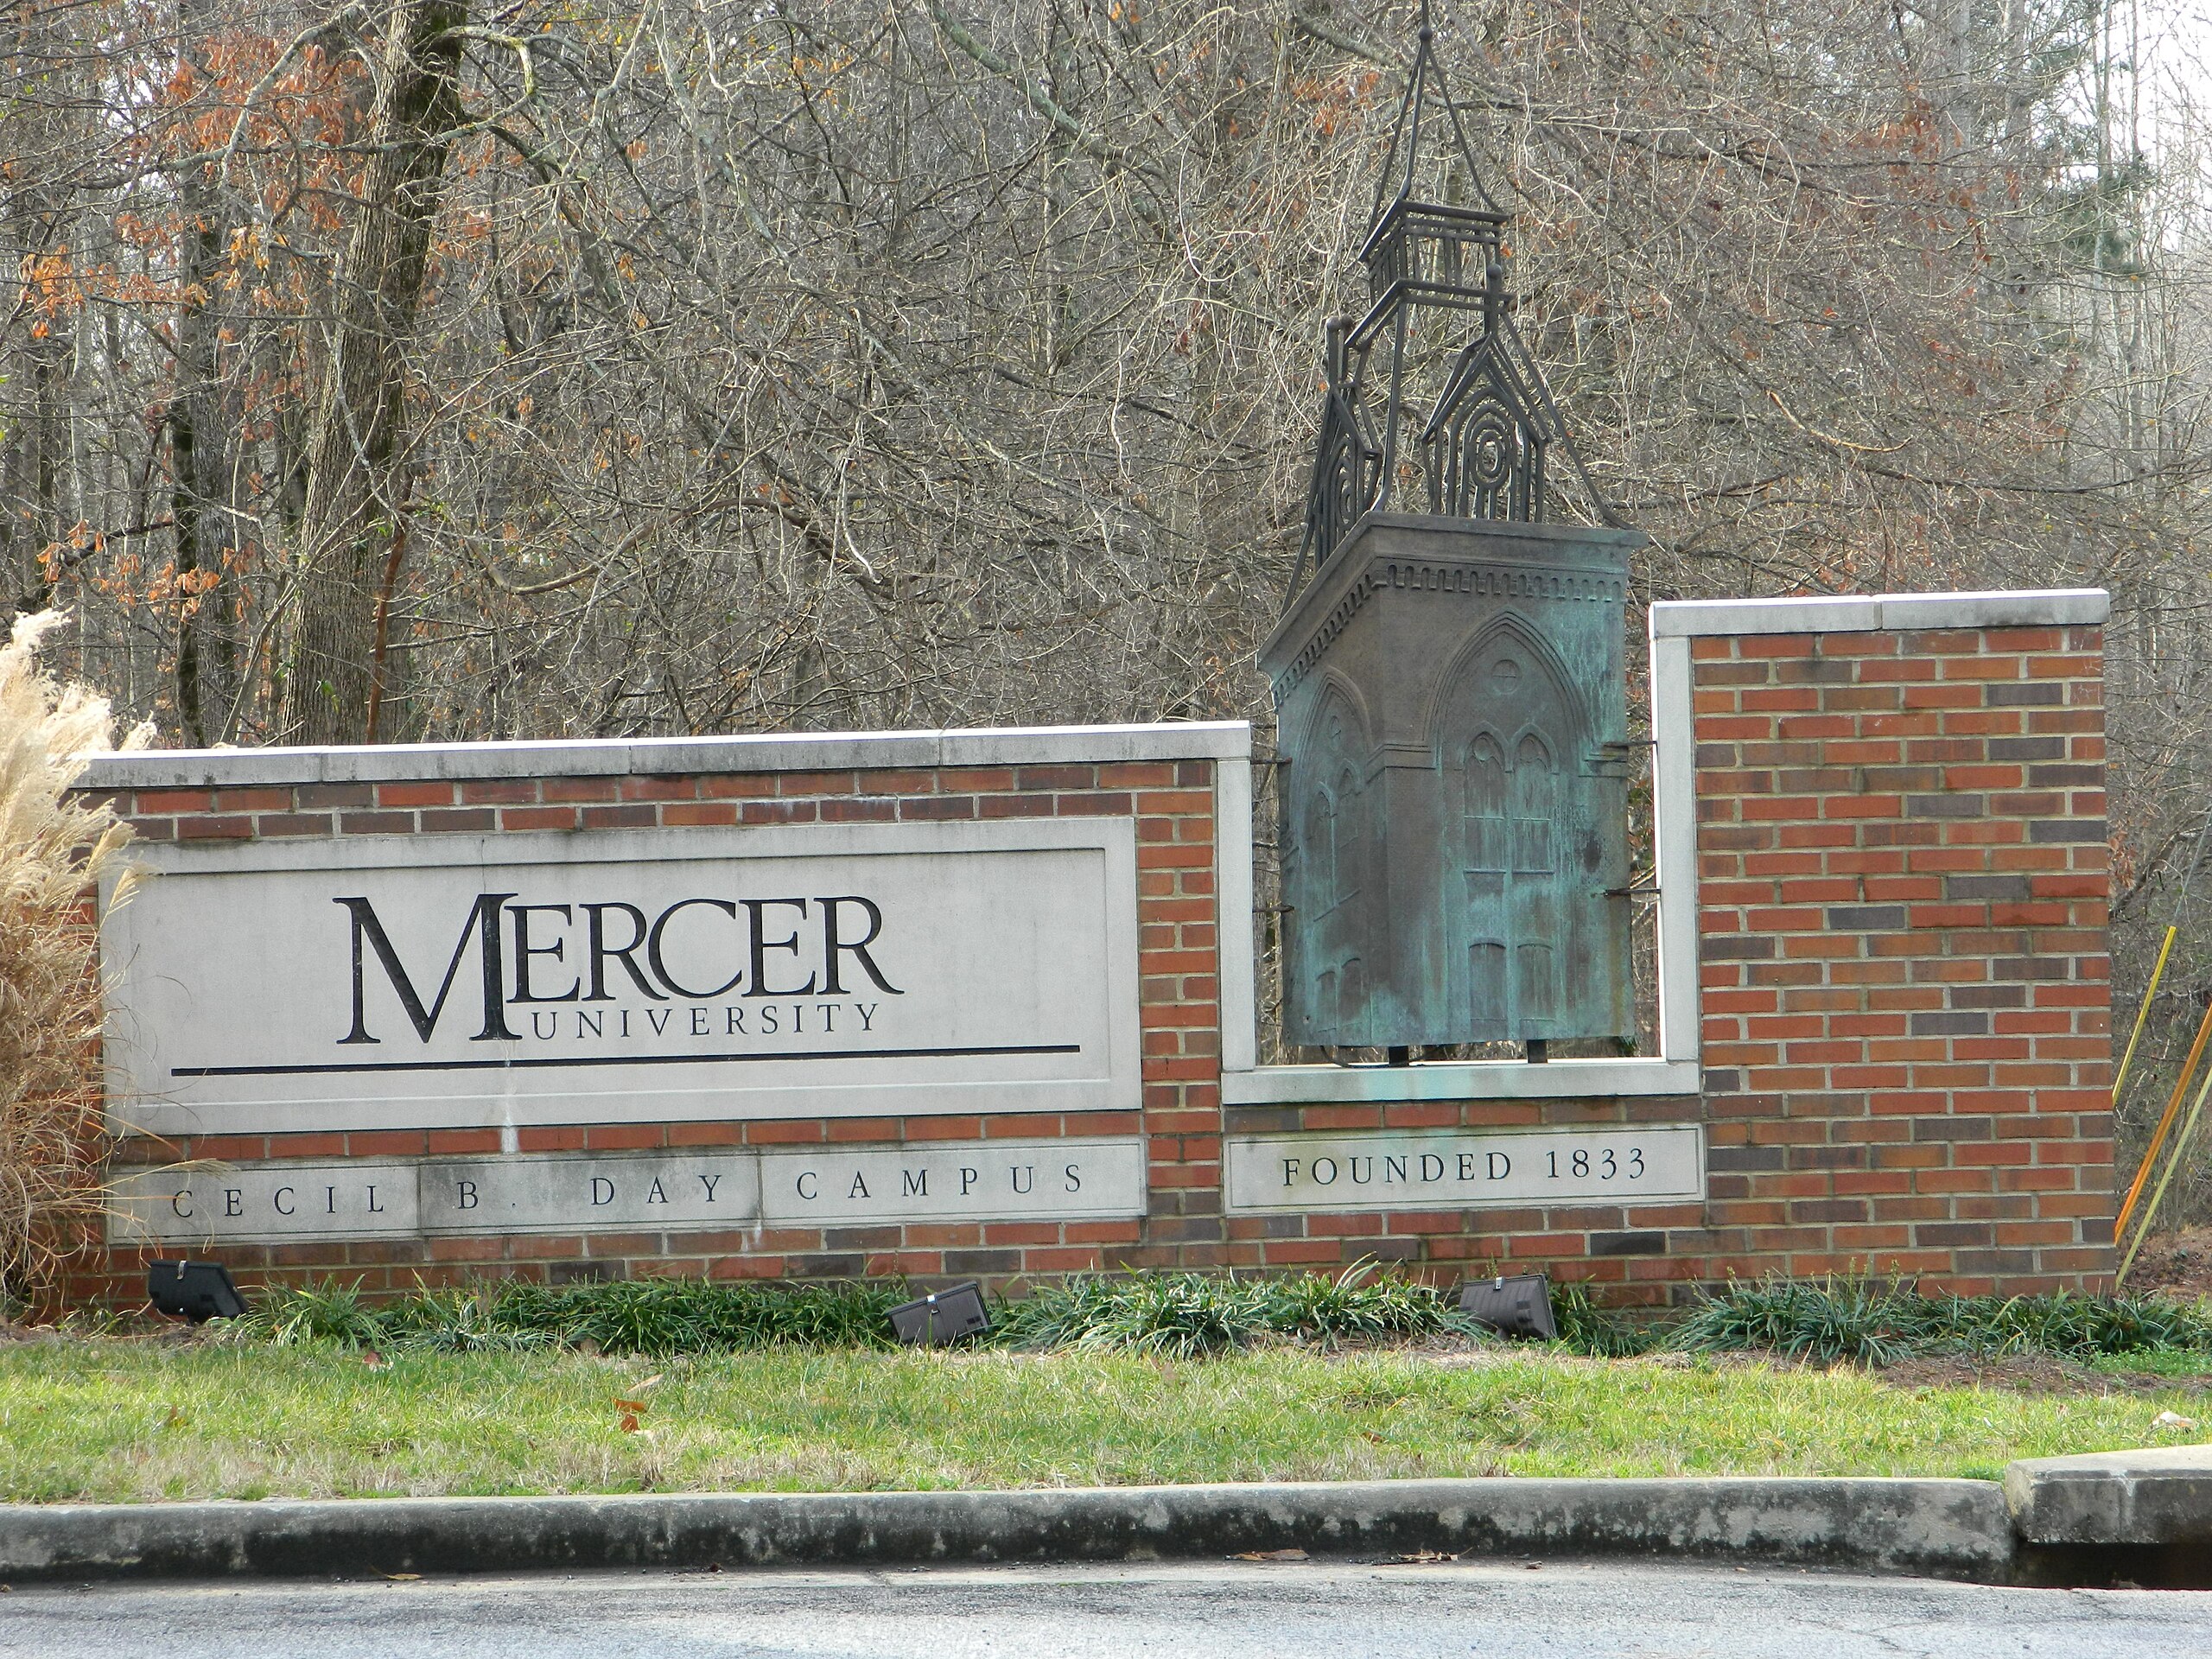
1520	1306
942	1316
197	1290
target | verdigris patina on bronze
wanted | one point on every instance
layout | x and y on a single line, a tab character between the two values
1449	680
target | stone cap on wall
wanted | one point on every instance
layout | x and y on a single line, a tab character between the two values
2045	607
982	745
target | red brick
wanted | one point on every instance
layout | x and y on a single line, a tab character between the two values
459	819
622	1137
224	829
538	817
415	794
1056	777
1142	774
498	791
1016	806
463	1140
909	782
1092	805
162	801
631	816
937	808
660	789
386	1143
581	789
777	1131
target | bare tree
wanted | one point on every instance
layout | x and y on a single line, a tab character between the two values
352	534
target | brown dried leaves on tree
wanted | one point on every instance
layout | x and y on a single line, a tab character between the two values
599	370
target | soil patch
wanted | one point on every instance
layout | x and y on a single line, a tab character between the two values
2178	1265
2030	1374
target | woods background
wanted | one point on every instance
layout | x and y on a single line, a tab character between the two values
438	369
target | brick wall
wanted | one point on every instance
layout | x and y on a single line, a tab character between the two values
1883	992
1900	1030
1904	978
1172	805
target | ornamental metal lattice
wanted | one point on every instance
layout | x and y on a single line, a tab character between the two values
1406	426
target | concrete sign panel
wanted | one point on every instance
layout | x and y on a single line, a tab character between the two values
1464	1169
631	1192
454	981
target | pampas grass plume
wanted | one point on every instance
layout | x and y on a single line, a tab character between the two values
54	850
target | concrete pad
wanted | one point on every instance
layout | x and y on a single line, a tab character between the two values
2159	1496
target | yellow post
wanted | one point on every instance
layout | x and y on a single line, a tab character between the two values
2141	1014
2159	1194
2165	1122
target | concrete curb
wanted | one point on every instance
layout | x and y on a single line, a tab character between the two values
2152	1497
1947	1528
2141	1517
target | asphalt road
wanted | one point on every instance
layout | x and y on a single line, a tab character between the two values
1230	1610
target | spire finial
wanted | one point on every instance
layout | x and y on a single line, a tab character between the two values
1431	420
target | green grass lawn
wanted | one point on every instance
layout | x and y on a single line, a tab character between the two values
107	1419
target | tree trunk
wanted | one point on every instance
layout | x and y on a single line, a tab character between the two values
346	530
198	610
199	447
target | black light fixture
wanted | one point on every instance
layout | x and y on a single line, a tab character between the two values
941	1316
1519	1305
197	1290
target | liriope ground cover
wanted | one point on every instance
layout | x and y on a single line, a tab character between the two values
1185	1315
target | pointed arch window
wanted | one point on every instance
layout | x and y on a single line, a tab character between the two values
1489	825
1535	805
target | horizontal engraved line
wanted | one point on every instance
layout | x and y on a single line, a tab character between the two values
527	1064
